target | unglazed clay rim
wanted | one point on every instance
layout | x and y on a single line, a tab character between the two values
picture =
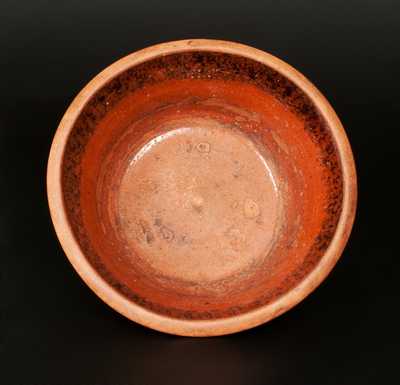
199	327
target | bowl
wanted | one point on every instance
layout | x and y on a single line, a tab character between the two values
201	187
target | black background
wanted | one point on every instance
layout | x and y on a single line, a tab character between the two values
55	331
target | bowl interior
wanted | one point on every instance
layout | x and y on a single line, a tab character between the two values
202	185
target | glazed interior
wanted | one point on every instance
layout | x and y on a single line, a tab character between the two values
202	185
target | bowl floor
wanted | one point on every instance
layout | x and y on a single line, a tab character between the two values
198	202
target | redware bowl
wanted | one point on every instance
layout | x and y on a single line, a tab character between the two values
201	187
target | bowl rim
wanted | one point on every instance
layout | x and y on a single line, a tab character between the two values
157	321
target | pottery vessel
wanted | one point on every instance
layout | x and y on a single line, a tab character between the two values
201	187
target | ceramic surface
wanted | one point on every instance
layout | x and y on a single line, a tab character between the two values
201	187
